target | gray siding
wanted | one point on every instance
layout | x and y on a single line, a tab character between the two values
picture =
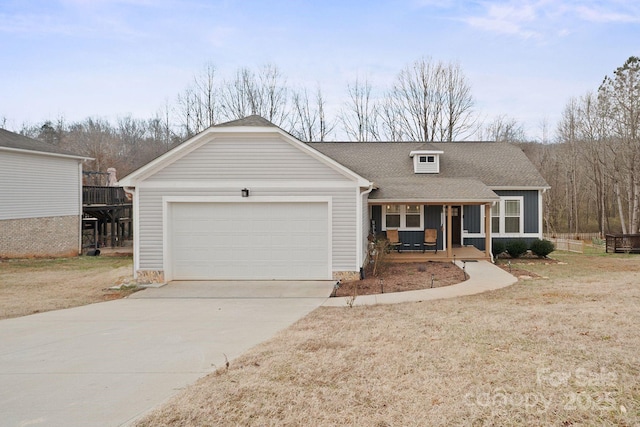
531	209
344	222
413	239
472	218
37	186
263	157
433	219
478	242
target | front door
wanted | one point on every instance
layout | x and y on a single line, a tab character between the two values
456	225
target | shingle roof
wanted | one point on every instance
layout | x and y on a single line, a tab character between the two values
468	170
21	142
254	120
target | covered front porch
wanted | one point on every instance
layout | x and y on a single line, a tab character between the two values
463	229
464	253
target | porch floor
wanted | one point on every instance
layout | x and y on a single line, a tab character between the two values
459	254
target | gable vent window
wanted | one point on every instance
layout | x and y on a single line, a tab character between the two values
427	159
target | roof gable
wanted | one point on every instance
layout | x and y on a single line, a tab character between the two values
249	147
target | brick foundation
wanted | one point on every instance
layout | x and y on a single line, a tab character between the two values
40	237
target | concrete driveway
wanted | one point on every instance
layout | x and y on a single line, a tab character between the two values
107	364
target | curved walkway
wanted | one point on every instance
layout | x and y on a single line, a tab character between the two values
483	276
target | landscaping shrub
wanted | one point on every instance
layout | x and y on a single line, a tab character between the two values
497	247
517	248
542	248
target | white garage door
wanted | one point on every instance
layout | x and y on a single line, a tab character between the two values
249	241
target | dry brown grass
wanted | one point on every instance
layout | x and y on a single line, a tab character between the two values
36	285
559	351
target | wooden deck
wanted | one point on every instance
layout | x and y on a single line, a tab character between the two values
107	216
461	253
623	243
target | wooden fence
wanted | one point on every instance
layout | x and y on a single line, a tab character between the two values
569	245
587	237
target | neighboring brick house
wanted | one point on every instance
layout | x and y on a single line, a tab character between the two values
40	198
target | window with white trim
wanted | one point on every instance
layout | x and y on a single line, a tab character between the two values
392	216
495	217
507	217
512	216
403	217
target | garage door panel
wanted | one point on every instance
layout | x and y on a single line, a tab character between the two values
249	241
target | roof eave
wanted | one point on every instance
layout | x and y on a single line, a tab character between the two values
519	187
433	201
45	153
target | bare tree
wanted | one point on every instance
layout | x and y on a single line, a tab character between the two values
391	129
592	128
264	94
198	107
52	133
96	138
309	121
458	119
432	102
274	95
359	116
568	135
503	129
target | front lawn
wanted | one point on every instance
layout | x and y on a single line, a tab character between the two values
556	351
29	286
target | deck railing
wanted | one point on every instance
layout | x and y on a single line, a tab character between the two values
110	196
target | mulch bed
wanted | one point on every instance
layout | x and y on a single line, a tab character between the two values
403	277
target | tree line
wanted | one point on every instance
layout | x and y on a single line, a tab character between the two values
428	101
591	164
594	166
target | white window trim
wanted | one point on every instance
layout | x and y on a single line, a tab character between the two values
403	218
502	201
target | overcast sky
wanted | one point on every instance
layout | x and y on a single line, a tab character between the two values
110	58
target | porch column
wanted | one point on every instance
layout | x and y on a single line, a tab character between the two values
487	230
449	233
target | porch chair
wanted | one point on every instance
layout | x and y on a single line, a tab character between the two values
394	241
430	239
